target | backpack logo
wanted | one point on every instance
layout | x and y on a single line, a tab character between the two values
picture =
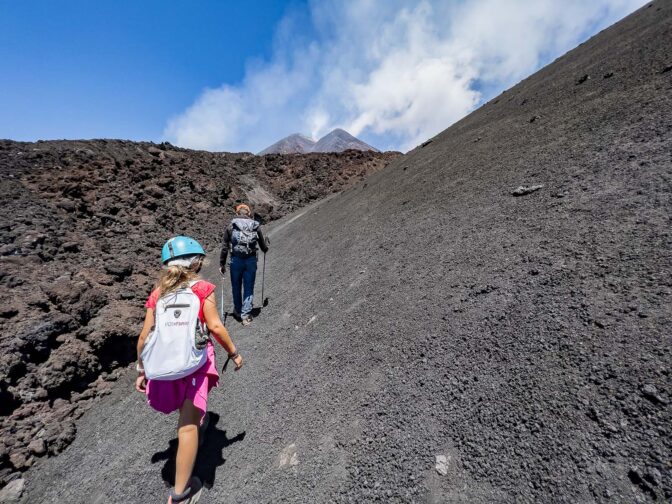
177	313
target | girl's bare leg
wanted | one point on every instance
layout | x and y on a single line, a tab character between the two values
187	447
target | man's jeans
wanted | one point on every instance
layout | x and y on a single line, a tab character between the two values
243	273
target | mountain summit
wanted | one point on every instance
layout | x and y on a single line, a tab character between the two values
338	140
293	144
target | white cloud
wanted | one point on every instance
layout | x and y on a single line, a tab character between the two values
396	71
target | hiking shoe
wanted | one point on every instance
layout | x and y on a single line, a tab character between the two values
247	321
190	495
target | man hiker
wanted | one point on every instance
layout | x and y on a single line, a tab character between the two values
242	235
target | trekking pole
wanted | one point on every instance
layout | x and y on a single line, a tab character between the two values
263	282
222	304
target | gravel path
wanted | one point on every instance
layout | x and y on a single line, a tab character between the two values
431	337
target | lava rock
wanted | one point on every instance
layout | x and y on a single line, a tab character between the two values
70	247
37	447
12	492
524	190
39	336
8	310
650	392
441	464
73	361
20	460
119	270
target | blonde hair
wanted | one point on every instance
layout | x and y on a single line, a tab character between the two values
176	277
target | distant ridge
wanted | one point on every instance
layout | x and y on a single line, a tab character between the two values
338	140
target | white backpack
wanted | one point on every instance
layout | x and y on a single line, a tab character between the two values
175	347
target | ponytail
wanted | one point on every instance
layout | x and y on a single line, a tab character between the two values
176	277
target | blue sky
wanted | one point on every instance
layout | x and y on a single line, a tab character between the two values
239	75
84	69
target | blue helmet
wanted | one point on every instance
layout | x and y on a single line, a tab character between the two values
180	246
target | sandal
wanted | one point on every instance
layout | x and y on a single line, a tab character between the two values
190	495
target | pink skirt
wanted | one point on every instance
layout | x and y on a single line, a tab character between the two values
168	396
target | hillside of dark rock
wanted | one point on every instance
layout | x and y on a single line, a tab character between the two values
485	320
81	226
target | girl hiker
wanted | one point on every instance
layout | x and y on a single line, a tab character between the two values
176	363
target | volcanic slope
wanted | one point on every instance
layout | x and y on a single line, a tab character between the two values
430	312
81	227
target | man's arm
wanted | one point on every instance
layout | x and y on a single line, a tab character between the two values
225	249
263	245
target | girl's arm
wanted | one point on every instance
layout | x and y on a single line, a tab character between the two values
218	330
147	326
